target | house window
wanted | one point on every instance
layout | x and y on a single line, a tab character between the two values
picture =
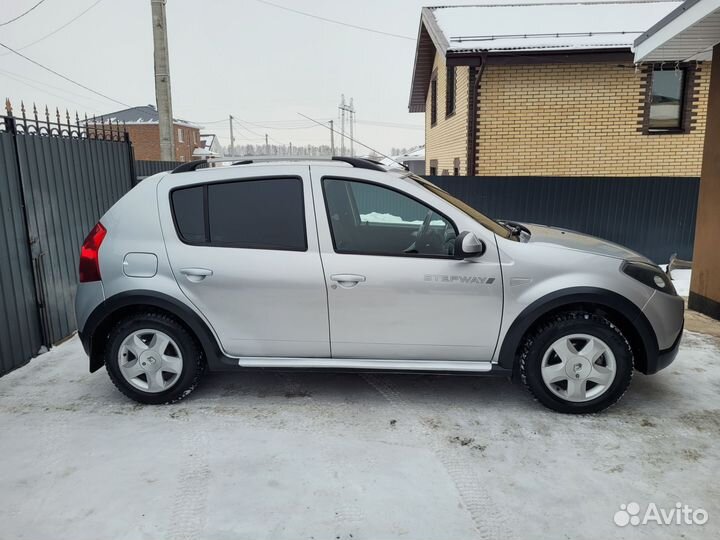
450	91
666	99
456	167
433	101
433	167
180	135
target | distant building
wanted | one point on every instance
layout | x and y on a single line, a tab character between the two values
552	90
143	125
209	147
414	160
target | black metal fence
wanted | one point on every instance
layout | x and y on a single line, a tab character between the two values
57	177
654	216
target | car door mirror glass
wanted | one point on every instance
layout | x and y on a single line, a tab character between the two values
467	245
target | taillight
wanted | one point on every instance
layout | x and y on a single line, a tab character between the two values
89	263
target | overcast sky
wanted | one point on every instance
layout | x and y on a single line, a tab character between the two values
256	61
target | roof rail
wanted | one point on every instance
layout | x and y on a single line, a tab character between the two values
361	163
189	166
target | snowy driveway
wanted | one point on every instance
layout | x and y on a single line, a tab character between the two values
328	456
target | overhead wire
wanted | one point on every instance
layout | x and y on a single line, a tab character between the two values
334	21
22	14
63	76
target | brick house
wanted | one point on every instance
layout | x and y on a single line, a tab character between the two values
142	123
552	90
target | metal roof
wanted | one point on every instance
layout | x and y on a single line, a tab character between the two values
145	114
538	28
689	32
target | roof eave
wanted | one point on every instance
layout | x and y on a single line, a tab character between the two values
418	87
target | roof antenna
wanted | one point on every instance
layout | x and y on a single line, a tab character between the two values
357	142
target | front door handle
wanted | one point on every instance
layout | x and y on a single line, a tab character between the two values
347	280
196	274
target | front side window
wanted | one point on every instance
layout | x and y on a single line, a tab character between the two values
666	99
252	214
371	219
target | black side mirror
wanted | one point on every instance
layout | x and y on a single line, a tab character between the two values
468	245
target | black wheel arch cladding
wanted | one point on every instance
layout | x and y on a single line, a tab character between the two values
618	309
100	322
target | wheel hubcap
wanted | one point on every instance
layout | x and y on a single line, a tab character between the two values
578	367
150	360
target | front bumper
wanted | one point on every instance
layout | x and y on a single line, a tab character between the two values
664	358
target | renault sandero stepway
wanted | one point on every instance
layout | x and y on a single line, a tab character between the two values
344	264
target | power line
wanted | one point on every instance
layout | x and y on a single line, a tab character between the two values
44	86
45	90
22	14
341	23
57	29
62	76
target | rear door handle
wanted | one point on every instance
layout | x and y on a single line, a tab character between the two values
347	280
196	274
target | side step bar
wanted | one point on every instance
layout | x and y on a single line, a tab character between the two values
372	364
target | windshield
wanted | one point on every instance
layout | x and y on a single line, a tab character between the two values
481	218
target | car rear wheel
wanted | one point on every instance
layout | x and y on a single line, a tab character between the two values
153	359
577	363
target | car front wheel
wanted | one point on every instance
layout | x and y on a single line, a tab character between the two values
577	362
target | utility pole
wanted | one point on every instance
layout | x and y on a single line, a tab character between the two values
352	121
267	146
332	138
342	124
232	138
349	110
163	95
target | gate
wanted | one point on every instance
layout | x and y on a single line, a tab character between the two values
56	179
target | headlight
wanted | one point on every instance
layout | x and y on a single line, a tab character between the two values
650	275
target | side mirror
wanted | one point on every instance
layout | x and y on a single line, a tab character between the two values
468	245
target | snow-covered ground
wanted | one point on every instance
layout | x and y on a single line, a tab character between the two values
339	456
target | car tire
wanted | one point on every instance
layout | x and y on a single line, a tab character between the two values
577	362
180	363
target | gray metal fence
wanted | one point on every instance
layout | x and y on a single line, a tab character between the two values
143	168
654	216
56	180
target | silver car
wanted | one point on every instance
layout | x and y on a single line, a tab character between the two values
345	265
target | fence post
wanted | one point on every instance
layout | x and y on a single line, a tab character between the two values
131	157
43	323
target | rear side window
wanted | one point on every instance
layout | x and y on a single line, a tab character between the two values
253	214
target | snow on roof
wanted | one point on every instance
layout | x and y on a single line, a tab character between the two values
546	26
145	114
418	154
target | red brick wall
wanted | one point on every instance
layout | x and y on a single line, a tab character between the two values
146	141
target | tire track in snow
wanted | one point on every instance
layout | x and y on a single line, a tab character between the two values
489	523
189	512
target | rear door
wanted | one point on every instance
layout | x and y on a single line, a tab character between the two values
244	254
394	289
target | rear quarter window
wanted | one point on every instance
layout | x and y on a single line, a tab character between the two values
189	214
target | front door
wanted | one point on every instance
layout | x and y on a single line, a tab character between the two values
394	289
243	254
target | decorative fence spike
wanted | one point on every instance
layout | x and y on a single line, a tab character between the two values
8	107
